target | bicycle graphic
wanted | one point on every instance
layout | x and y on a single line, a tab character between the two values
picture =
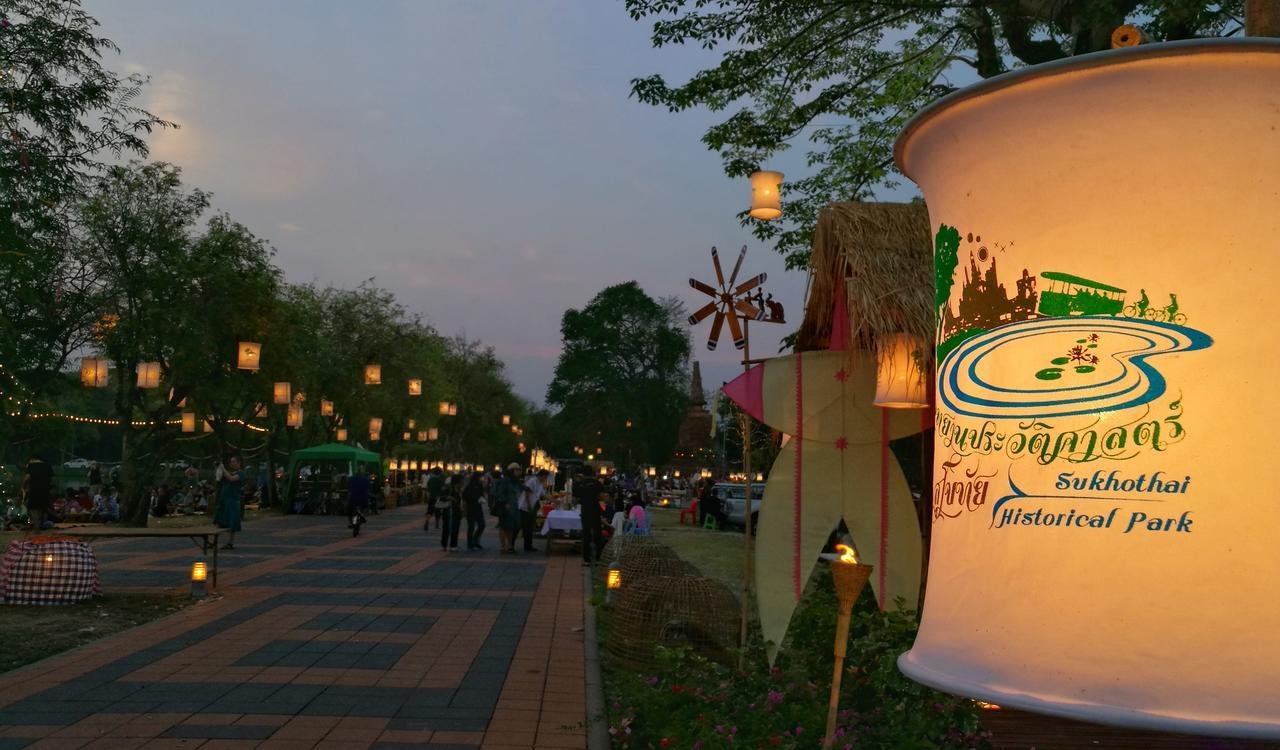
1170	313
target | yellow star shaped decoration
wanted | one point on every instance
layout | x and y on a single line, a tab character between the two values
836	465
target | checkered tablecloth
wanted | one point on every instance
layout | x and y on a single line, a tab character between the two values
48	571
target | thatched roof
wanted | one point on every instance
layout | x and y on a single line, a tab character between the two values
884	254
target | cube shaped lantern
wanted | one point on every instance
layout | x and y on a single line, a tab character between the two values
188	421
433	434
294	416
415	387
281	393
373	374
453	410
1105	232
375	425
93	372
326	407
340	434
444	408
422	436
148	375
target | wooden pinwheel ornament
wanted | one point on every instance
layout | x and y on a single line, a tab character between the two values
728	302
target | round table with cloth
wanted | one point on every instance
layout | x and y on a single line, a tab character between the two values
48	570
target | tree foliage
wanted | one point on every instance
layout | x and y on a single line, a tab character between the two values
846	75
624	359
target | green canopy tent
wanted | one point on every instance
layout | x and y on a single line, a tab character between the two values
349	458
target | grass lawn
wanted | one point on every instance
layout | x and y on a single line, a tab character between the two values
717	554
30	634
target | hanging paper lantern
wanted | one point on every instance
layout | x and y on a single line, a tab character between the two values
294	417
340	434
282	393
1103	545
188	421
444	408
412	423
375	425
766	195
422	436
260	410
405	436
392	465
413	466
208	425
415	387
326	408
299	397
375	436
453	410
373	374
506	419
148	374
899	381
93	372
433	434
249	356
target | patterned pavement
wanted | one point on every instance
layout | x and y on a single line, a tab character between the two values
323	641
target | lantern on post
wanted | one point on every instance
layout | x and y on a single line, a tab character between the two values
766	195
415	386
849	576
188	421
249	355
326	408
294	416
281	392
93	372
899	379
373	374
612	581
148	375
1104	230
340	434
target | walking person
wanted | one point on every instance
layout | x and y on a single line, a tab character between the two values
586	491
37	488
505	502
358	486
472	494
227	515
535	488
435	486
450	507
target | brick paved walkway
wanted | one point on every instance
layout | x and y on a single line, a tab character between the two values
323	641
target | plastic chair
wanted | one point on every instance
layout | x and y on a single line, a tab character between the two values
710	523
691	512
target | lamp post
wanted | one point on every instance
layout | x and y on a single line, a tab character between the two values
199	574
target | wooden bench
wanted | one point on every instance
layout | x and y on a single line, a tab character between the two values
208	536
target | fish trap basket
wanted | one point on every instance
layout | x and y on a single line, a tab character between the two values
48	571
671	611
623	546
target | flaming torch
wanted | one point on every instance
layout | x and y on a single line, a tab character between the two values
850	576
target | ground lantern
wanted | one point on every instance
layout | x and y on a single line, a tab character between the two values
1105	255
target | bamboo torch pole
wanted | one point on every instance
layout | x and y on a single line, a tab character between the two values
850	576
747	499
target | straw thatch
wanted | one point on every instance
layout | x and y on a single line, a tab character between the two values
884	254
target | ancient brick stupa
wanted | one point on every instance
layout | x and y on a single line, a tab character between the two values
694	442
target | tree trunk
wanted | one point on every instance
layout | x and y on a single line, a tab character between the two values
1262	18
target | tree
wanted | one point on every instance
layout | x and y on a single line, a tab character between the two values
623	361
848	74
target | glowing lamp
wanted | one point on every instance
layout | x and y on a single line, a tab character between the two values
433	433
294	416
93	372
281	393
392	465
422	436
1104	230
604	472
188	421
415	386
521	447
148	374
249	355
613	577
506	419
340	434
413	466
628	424
412	423
375	425
373	374
405	436
677	474
326	408
207	426
900	384
849	577
374	436
259	410
199	575
453	410
653	471
766	195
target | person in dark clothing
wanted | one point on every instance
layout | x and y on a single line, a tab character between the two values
435	487
586	492
37	486
704	501
358	486
471	496
450	505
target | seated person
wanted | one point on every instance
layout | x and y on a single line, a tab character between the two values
162	504
106	506
637	520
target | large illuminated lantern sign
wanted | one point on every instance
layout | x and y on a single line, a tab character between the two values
1105	542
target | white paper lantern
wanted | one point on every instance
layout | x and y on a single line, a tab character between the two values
453	410
326	408
415	387
249	356
148	375
294	416
444	408
94	372
766	195
281	393
1104	546
373	374
433	434
188	421
375	425
340	434
899	382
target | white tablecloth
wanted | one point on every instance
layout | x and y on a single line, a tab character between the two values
562	520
